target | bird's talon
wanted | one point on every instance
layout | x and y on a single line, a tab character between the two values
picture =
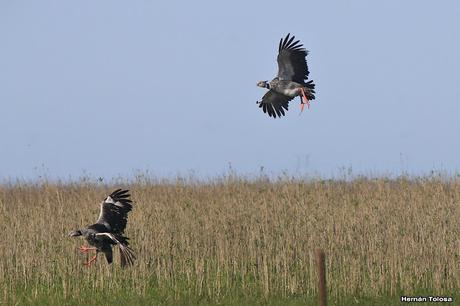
93	259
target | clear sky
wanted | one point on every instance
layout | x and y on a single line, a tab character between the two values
108	88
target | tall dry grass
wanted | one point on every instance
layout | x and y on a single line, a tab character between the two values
380	236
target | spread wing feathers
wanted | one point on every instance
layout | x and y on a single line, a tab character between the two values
114	211
127	256
274	103
292	62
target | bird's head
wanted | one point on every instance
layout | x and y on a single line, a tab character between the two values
263	84
75	233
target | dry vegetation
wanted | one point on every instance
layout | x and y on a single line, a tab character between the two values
232	236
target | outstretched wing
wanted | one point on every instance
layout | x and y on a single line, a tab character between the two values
274	103
127	256
114	211
292	62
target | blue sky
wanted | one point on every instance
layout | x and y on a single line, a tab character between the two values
109	88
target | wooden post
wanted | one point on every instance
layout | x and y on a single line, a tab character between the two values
321	266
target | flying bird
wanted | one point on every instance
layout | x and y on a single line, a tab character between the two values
291	80
108	229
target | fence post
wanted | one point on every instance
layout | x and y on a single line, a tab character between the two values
321	266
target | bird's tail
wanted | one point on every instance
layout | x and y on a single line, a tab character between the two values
127	256
310	90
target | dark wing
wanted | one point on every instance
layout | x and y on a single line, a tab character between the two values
108	254
292	62
274	103
114	211
126	253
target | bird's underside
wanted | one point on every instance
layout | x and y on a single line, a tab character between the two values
103	243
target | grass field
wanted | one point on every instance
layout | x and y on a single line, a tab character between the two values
233	241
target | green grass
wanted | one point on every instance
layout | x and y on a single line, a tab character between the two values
128	296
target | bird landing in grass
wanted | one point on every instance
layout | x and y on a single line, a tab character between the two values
108	229
291	80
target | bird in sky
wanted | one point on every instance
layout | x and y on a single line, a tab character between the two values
291	80
108	229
